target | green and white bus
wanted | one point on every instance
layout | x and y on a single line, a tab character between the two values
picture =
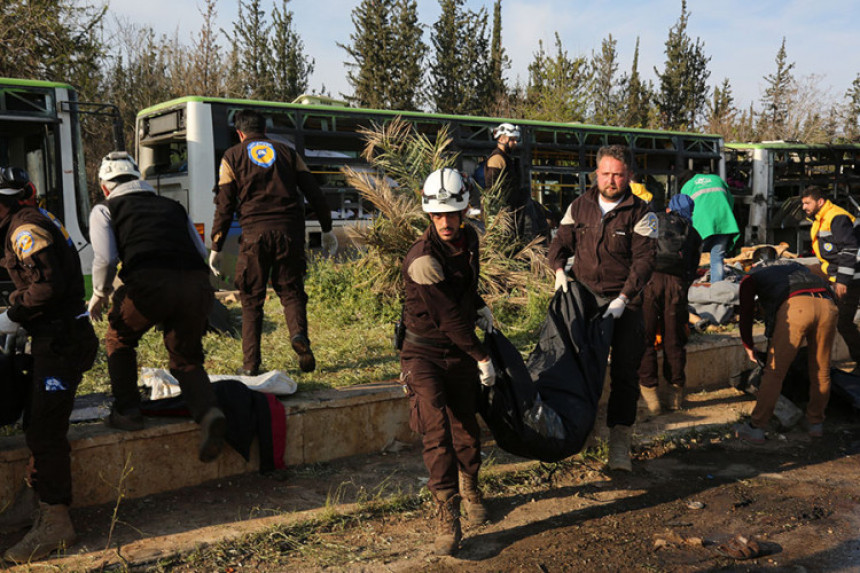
40	132
179	144
768	178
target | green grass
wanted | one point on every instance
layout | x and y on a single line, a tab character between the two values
350	328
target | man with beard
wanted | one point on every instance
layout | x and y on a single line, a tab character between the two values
834	241
442	359
611	235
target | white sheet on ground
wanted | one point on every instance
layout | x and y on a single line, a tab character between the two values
162	384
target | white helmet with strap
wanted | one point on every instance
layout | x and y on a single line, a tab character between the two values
508	129
444	192
117	163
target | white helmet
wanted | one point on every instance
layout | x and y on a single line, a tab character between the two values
117	163
444	192
508	129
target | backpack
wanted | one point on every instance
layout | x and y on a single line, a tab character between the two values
478	174
672	234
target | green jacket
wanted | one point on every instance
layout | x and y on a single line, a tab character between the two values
713	203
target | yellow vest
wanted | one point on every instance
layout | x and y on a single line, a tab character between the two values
820	233
639	190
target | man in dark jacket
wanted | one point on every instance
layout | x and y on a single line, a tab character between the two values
797	305
835	243
529	217
664	303
261	178
442	359
611	235
48	302
165	281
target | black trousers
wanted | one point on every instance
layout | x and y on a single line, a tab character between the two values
628	344
180	302
59	362
664	308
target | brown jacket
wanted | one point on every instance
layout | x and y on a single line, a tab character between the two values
442	299
501	164
614	254
45	268
261	178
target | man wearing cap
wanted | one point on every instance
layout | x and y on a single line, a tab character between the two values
165	282
442	359
267	182
664	303
48	303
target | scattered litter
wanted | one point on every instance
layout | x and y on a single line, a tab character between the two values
394	446
423	480
695	505
740	548
670	538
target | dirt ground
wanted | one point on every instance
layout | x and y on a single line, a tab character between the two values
694	487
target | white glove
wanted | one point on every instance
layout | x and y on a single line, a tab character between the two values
485	319
7	325
97	306
329	243
215	258
560	280
615	308
488	373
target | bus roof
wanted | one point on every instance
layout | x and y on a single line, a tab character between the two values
34	83
792	145
412	114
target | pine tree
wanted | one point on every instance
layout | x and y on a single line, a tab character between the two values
291	68
369	73
406	63
777	97
683	91
604	91
460	70
251	48
851	114
722	112
499	62
557	86
635	96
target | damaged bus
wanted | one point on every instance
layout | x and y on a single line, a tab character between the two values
179	144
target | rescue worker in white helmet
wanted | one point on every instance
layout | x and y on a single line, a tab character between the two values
165	281
529	217
48	302
442	359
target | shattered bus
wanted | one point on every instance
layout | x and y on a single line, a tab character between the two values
767	180
179	144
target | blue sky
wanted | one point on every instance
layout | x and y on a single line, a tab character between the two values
741	37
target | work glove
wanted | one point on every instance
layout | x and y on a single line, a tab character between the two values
560	280
215	259
615	308
7	325
96	306
329	243
485	319
488	373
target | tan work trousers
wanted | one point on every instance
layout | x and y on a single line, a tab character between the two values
810	317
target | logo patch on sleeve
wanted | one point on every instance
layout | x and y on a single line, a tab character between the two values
30	239
262	153
647	226
54	385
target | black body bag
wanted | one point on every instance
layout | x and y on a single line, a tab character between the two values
544	408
